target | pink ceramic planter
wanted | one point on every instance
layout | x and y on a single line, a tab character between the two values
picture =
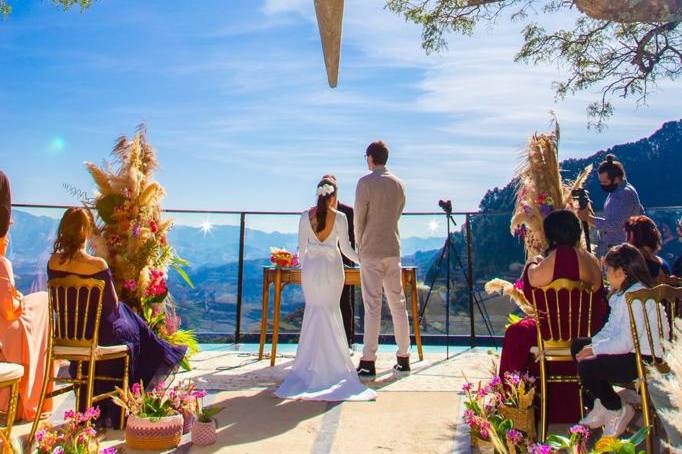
204	433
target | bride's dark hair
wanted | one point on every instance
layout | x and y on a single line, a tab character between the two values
322	198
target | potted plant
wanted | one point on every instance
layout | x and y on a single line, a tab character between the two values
204	429
152	423
76	436
517	393
184	399
488	427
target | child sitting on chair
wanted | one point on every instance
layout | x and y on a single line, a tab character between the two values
609	357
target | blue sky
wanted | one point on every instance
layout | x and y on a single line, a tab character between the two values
235	98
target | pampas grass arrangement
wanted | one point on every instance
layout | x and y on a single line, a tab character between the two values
133	238
540	190
670	384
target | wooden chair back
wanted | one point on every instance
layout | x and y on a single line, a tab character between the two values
665	299
74	301
563	312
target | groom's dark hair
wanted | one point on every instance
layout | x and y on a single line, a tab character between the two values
378	150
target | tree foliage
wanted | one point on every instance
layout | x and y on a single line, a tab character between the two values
619	59
6	6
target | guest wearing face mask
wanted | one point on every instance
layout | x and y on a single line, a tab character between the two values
621	203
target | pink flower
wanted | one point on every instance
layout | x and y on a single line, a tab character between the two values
496	381
514	437
109	451
130	285
199	394
137	389
538	448
58	450
153	227
581	431
136	231
512	378
518	285
466	387
69	414
468	416
40	435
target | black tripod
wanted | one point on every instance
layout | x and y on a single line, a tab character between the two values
450	247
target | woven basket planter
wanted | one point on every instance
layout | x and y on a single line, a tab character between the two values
482	446
154	434
523	419
204	433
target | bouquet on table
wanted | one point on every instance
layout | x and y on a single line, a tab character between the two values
76	436
283	258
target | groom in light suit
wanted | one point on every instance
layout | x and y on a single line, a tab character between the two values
379	203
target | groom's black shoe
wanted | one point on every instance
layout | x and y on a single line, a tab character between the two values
366	370
402	366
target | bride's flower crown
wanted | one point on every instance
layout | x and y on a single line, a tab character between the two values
325	190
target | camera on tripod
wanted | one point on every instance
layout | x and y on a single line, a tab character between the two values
582	196
446	205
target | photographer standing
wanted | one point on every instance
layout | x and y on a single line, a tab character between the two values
621	203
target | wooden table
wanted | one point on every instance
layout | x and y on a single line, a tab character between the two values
282	277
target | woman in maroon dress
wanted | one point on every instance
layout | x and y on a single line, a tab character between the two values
564	259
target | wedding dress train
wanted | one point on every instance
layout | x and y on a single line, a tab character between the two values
323	369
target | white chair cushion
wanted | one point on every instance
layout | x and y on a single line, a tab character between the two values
11	371
535	351
102	350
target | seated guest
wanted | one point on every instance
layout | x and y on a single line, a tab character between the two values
644	235
564	259
609	356
24	331
151	359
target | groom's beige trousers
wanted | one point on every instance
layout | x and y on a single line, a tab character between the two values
375	274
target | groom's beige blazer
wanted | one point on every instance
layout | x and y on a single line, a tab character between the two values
379	202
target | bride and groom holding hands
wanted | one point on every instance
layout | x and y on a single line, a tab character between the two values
323	369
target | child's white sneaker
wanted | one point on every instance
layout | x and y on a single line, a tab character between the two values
617	420
595	418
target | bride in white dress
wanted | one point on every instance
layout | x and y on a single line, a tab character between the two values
323	369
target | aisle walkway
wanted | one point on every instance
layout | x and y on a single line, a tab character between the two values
414	414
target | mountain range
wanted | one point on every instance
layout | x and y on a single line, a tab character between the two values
653	165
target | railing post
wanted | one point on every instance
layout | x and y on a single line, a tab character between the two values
470	280
240	277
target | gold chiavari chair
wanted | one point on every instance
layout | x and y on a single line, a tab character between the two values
662	295
10	376
555	337
73	340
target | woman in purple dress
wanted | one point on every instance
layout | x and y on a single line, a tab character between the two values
151	359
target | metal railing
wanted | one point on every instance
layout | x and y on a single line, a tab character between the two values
477	230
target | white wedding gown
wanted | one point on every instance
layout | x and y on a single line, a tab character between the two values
323	369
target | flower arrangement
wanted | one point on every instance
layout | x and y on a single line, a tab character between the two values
486	419
541	190
145	404
133	238
77	436
184	397
517	391
483	418
283	258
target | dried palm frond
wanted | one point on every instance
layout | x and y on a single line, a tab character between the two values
506	288
101	177
151	194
